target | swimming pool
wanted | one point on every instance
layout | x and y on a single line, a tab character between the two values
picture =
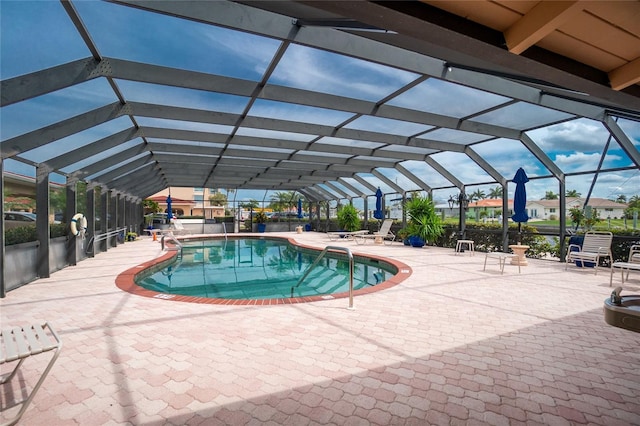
260	269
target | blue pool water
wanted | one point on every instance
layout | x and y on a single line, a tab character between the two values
259	268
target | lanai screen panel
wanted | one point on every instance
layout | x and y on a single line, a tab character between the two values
398	178
29	25
325	72
76	141
181	97
142	36
447	98
522	116
51	108
507	155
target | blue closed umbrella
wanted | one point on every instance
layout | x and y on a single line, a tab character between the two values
169	215
520	199
378	213
299	208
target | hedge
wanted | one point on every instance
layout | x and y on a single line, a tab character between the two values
26	234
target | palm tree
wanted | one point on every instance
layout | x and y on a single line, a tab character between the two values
621	198
284	200
477	195
572	193
251	204
495	192
550	195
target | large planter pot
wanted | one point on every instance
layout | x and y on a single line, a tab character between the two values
262	227
416	241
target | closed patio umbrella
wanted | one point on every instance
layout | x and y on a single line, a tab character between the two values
378	213
299	208
520	200
169	215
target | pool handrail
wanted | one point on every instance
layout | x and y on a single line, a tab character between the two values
319	258
171	237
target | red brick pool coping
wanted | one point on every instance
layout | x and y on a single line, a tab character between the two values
126	281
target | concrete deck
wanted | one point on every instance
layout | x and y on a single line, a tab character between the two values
450	345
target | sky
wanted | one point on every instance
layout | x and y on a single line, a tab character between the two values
38	34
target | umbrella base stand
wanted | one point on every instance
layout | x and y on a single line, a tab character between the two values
519	259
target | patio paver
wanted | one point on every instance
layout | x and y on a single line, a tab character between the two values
452	344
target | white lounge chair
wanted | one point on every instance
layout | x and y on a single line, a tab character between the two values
349	235
177	227
384	234
18	344
596	245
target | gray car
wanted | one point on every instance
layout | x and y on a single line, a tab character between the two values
17	219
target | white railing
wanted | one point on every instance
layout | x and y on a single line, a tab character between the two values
319	258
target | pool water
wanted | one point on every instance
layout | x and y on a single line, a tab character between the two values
260	268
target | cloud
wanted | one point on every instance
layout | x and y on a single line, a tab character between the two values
582	135
313	69
577	161
435	96
301	113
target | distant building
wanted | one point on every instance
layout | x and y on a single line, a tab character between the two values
489	208
550	209
20	191
189	202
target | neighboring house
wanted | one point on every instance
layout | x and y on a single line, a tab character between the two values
489	208
20	192
550	209
189	202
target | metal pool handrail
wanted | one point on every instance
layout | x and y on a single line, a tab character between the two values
319	258
172	238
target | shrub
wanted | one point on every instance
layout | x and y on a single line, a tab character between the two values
22	234
26	234
348	218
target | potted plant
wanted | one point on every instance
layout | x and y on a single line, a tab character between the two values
424	223
348	218
261	220
403	234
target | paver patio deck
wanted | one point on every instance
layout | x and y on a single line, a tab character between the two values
452	344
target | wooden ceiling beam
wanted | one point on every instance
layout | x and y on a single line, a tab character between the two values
539	22
626	75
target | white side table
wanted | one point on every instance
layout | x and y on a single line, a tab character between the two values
468	244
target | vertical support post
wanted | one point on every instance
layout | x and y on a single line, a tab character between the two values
42	220
318	215
366	210
104	217
328	215
3	286
113	223
70	209
563	217
404	211
463	214
91	220
505	218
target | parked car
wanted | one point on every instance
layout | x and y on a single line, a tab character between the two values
17	219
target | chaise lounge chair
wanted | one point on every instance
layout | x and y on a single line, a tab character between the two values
595	246
349	235
384	234
18	344
177	228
